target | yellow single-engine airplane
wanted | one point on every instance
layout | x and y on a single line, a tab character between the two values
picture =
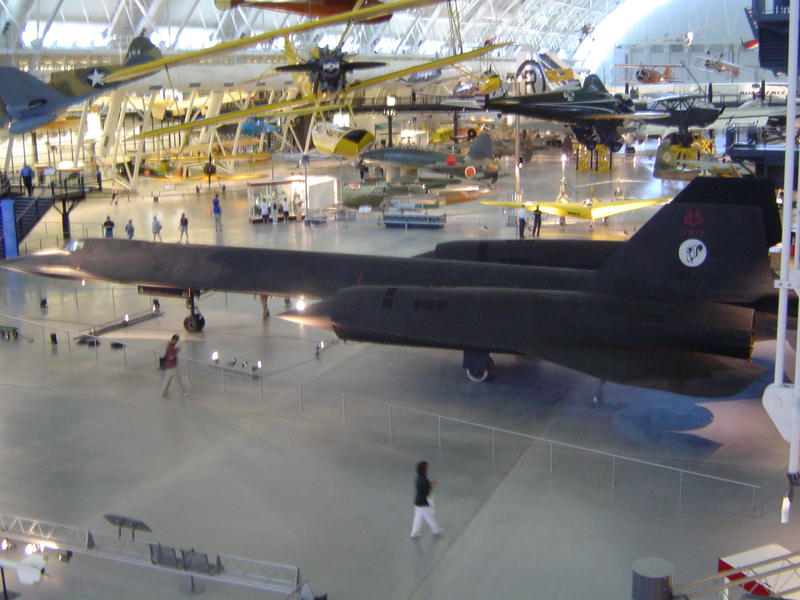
590	209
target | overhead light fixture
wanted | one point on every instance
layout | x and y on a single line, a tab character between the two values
156	305
215	357
301	304
126	317
6	544
391	101
31	549
256	366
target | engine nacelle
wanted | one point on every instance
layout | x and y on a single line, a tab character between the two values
530	321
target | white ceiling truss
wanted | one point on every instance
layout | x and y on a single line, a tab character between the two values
553	25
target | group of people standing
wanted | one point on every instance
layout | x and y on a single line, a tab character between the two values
130	229
522	221
278	207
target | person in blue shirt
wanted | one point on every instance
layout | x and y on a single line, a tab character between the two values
26	173
217	212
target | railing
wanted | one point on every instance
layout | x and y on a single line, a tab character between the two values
239	387
272	577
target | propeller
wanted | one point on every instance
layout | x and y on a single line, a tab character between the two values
328	69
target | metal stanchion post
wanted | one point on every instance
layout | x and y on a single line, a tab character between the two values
613	471
222	372
439	431
261	389
125	354
493	433
113	302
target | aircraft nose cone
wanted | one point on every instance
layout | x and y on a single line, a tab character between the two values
55	263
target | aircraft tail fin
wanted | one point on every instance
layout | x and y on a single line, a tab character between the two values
710	243
593	83
481	148
141	50
667	167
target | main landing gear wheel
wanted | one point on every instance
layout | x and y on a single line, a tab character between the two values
478	375
194	323
478	366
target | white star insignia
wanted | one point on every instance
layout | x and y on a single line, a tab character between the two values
95	78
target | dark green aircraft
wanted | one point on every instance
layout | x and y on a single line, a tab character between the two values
594	115
672	308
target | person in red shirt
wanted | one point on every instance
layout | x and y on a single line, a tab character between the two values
169	364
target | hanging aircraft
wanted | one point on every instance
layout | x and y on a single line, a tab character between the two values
672	308
684	113
27	103
648	74
718	65
404	162
346	139
590	209
309	8
594	115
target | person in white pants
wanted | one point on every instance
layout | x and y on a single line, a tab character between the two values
423	504
169	363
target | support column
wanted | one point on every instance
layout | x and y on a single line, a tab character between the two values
147	123
35	148
82	130
9	154
212	110
111	125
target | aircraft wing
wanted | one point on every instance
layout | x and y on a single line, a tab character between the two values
275	110
580	210
428	66
608	209
363	14
266	109
634	116
556	209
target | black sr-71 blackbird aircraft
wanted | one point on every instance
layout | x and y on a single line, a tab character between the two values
672	308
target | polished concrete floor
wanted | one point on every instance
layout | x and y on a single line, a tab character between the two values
313	464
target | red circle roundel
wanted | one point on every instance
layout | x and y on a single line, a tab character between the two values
470	171
450	160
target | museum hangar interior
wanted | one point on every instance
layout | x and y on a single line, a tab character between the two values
297	199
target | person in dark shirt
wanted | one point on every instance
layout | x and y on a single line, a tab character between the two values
423	504
537	221
108	227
